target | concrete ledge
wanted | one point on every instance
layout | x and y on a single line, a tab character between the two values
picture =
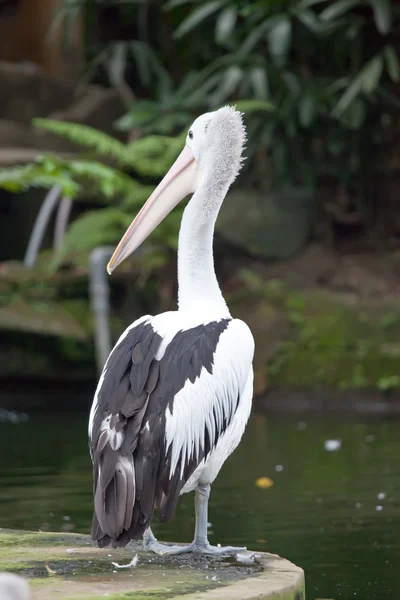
68	566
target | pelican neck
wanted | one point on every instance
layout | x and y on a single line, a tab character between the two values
198	288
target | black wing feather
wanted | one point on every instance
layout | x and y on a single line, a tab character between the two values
132	472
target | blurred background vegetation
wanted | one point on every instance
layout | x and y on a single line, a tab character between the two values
97	97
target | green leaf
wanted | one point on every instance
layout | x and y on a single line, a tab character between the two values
197	16
309	20
149	65
354	116
292	82
39	175
174	3
141	57
306	3
371	74
353	30
225	24
383	15
268	135
256	35
13	179
348	96
93	228
167	123
198	97
307	108
85	136
388	383
259	81
153	155
141	113
337	9
116	63
366	80
250	106
334	87
135	199
392	63
110	181
279	38
228	83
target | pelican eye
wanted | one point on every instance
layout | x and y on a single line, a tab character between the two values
191	134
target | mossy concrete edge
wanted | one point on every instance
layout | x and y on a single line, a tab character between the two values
71	567
279	579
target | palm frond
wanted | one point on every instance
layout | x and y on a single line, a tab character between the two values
19	179
109	181
93	228
87	137
152	156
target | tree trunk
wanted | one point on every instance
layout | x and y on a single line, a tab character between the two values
26	36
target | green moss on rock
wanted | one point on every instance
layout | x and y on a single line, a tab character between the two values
20	539
336	343
69	566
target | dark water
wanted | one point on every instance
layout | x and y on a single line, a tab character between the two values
321	512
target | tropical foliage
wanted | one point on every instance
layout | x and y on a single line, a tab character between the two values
316	79
109	182
329	69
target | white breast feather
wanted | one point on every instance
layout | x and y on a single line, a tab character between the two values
218	391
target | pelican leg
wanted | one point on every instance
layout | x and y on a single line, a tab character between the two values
200	543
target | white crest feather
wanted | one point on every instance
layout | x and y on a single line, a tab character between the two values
226	137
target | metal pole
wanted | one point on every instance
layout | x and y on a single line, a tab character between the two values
99	291
62	218
40	225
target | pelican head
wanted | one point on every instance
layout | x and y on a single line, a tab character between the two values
212	154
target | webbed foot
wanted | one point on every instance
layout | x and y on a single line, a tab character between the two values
159	548
151	544
206	548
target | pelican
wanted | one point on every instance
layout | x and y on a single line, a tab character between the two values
175	393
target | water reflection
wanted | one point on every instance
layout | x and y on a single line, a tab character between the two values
336	513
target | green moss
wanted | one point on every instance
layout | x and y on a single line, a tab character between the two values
87	573
136	595
9	567
11	539
40	582
63	567
33	554
335	343
80	566
165	594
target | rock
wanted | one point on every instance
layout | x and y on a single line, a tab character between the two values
271	225
364	276
13	587
16	134
69	566
44	317
269	328
34	32
22	143
26	93
336	342
98	108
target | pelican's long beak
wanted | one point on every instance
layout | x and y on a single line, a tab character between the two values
182	179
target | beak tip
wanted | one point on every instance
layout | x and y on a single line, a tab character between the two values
109	269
